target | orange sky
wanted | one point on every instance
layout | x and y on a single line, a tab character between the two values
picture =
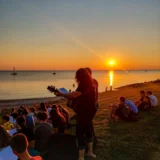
34	36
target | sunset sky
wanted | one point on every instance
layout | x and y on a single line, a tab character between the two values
68	34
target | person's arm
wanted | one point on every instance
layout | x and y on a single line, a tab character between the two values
69	95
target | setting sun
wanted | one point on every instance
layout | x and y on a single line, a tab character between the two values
111	62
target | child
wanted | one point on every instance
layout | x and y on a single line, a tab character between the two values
6	123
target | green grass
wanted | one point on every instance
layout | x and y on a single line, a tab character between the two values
130	140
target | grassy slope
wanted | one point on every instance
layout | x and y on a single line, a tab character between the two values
128	140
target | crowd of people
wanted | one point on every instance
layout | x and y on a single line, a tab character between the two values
36	129
128	110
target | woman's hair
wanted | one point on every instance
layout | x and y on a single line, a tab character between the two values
83	77
43	107
21	121
4	136
57	118
54	106
25	111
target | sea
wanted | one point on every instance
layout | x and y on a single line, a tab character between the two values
33	84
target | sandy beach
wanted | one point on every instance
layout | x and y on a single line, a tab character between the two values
129	91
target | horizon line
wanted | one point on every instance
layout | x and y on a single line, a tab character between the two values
76	70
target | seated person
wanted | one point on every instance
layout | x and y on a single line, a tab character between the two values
62	143
48	108
19	145
140	102
153	99
146	103
58	121
13	118
29	119
28	132
7	124
33	113
43	107
4	137
62	110
12	111
126	110
42	133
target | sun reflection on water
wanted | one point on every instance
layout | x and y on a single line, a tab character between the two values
111	77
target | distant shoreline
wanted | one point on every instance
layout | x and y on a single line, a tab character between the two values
139	84
28	101
76	70
33	101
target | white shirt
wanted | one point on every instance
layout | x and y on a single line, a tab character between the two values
153	100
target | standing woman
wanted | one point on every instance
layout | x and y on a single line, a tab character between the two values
85	101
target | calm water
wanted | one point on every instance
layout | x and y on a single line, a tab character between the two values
33	84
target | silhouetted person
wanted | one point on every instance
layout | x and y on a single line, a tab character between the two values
84	105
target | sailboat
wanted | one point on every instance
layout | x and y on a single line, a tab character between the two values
14	73
54	72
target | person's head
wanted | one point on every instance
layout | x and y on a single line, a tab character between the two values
5	137
142	93
54	106
25	112
58	118
13	110
122	99
54	113
21	122
32	109
5	118
83	77
43	107
19	111
149	93
88	70
22	107
19	144
42	117
15	115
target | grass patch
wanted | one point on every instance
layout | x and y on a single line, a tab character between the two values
130	140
